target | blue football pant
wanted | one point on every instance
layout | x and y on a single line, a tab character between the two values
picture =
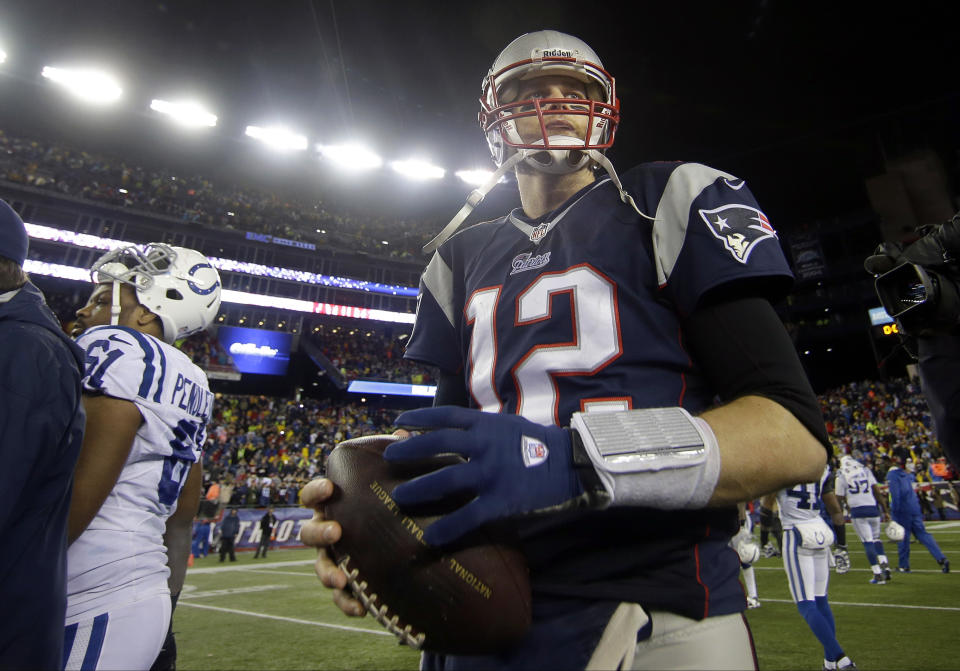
913	524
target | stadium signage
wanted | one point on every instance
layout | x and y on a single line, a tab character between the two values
253	349
263	237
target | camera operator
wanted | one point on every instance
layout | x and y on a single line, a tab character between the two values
919	286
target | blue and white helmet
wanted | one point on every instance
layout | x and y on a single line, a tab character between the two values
177	284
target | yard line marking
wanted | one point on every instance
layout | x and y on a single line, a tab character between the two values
249	567
874	605
198	594
859	570
260	570
295	620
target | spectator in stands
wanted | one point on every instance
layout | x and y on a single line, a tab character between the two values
54	166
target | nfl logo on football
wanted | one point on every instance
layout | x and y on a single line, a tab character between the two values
534	451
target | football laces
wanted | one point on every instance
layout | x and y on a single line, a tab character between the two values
381	613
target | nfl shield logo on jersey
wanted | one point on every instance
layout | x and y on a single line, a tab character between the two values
534	451
739	227
537	234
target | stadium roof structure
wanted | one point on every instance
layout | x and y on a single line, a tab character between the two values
804	100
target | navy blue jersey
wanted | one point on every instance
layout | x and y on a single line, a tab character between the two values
581	311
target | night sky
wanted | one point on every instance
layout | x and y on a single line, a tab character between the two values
803	99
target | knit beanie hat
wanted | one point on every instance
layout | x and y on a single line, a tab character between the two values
13	234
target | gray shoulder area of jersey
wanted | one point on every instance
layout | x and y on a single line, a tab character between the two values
437	278
683	187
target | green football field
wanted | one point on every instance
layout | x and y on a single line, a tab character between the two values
274	614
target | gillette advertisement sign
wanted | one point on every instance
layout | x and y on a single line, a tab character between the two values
257	350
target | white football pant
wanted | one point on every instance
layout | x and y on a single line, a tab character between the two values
128	637
808	571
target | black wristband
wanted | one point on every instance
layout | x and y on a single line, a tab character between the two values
766	517
840	531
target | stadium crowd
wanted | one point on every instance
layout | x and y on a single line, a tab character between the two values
262	450
878	422
365	354
885	423
110	180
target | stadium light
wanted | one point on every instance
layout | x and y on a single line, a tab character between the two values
353	157
418	170
186	113
278	137
242	297
90	85
3	56
88	241
475	177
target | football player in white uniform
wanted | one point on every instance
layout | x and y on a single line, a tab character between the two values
137	482
749	551
806	555
868	509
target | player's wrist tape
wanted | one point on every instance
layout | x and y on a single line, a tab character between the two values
657	457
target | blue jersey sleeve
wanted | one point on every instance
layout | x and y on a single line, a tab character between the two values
434	338
709	231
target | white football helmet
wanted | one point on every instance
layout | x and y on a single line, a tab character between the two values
175	283
749	551
548	52
895	531
848	464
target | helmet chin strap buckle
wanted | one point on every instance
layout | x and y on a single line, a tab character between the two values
557	161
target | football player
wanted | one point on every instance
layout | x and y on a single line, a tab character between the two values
582	340
770	524
807	538
748	551
138	480
857	485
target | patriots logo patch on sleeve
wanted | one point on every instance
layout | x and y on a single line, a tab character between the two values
739	227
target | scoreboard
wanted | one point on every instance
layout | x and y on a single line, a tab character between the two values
883	330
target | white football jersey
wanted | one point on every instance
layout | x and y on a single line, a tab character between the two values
856	482
801	502
122	548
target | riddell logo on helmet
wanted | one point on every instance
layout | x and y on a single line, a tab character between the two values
557	53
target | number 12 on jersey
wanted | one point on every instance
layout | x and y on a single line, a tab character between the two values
596	339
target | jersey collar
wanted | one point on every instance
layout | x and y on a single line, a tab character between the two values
537	229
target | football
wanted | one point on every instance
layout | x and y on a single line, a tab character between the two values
470	598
